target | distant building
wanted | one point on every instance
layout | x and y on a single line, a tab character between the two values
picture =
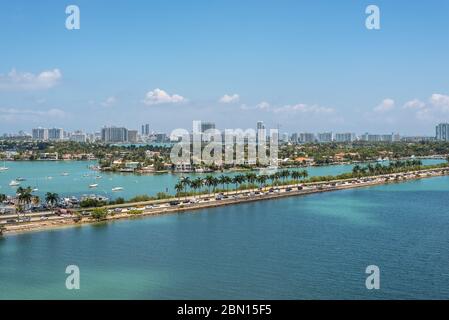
417	139
145	130
380	137
206	126
442	132
132	136
40	134
159	137
306	137
55	134
114	134
78	136
344	137
325	137
294	138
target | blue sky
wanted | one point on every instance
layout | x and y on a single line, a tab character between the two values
306	65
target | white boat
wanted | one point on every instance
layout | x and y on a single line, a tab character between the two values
64	174
14	183
4	168
20	179
98	177
94	185
35	190
117	189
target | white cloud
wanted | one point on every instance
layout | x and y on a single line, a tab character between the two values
110	101
263	105
385	105
229	98
440	100
158	96
15	80
414	104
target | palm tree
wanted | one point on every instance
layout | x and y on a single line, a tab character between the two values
186	182
215	183
284	174
262	179
305	174
227	181
24	196
296	175
179	187
197	183
51	198
222	180
209	181
356	170
3	197
238	179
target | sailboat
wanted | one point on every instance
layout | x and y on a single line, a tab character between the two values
4	168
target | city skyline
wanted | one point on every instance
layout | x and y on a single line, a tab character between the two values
223	64
146	135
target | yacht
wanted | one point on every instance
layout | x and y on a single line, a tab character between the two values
4	168
94	185
117	189
14	183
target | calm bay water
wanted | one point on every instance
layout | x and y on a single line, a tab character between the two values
47	177
311	247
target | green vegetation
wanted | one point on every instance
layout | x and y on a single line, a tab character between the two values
326	153
135	212
99	214
92	203
51	198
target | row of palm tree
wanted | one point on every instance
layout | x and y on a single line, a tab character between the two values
250	179
25	197
385	169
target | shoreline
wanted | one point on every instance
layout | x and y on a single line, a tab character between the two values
235	198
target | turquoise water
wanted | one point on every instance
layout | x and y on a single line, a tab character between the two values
311	247
76	183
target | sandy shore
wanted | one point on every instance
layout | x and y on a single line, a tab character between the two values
234	198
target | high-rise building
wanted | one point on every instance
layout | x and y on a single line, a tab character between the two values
306	137
344	137
55	134
145	131
114	134
207	126
132	136
442	132
40	134
78	136
325	137
380	137
294	138
260	130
